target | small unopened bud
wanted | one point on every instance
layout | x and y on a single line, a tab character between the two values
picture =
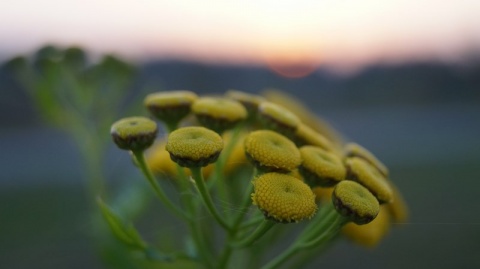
134	133
194	146
271	152
355	202
170	107
219	114
249	101
320	167
278	118
364	173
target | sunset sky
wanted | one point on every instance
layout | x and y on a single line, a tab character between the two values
346	33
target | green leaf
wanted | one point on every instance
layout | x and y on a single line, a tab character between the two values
125	232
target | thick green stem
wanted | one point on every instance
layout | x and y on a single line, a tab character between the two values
207	199
261	230
156	187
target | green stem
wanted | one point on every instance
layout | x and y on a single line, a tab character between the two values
246	201
335	225
156	187
207	199
227	252
321	221
259	232
251	222
322	229
201	245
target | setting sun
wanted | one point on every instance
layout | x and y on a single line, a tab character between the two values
297	33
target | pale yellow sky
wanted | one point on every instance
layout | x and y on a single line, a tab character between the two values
340	32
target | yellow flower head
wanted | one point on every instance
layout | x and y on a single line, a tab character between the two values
219	114
355	202
283	198
278	118
355	150
304	135
134	133
249	101
194	146
369	235
320	167
364	173
270	151
170	106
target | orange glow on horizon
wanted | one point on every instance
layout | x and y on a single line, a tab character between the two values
286	35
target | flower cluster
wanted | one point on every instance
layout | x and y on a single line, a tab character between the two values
238	152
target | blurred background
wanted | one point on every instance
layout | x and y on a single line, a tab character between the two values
401	78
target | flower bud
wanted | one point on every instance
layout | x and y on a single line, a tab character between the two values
283	198
194	146
219	114
278	118
320	167
270	151
134	133
355	202
364	173
170	107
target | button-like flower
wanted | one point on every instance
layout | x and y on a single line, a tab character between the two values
194	146
355	150
270	151
320	167
283	198
219	114
364	173
278	118
304	135
134	133
170	107
249	101
355	202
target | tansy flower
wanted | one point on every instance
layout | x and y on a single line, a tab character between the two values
278	118
270	151
134	133
249	101
170	107
355	150
194	146
304	135
283	198
355	202
364	173
320	167
219	114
